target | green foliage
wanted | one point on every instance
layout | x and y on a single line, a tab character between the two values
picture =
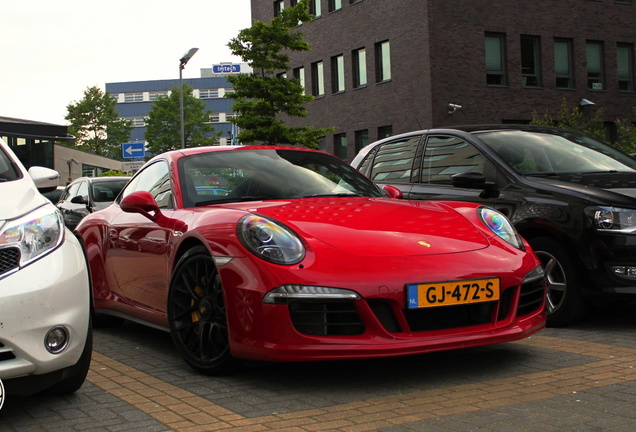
626	133
97	125
260	98
573	119
163	126
111	173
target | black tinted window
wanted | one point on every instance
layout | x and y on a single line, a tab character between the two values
445	156
393	161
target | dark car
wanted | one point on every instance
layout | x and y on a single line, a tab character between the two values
573	198
86	195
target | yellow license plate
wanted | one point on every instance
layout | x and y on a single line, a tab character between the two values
452	293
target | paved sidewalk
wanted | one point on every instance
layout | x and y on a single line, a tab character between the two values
581	378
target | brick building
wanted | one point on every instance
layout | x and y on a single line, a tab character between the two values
382	67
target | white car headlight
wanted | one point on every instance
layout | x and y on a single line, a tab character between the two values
34	234
270	240
613	219
501	226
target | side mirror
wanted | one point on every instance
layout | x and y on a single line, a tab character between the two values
141	202
475	180
79	200
45	179
393	192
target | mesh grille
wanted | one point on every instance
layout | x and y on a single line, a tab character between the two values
9	259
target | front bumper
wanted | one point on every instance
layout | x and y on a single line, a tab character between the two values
52	291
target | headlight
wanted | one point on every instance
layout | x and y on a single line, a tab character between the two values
35	234
501	226
270	240
613	219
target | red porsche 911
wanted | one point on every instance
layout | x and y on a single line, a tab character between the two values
300	257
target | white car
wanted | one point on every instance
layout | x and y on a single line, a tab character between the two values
45	327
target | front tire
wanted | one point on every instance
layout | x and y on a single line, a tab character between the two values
565	304
197	315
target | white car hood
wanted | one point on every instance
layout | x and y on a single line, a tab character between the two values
19	197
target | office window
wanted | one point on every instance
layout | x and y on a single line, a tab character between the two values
382	61
153	96
594	59
361	139
293	2
385	131
563	63
340	146
337	74
625	66
530	61
359	59
495	47
315	8
334	5
138	121
133	97
279	5
317	79
208	93
299	74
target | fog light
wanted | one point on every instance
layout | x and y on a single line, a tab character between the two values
625	271
56	340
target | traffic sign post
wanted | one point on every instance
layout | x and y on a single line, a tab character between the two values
133	150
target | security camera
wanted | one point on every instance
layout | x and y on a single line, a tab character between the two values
586	102
453	107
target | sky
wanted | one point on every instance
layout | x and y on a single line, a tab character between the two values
52	51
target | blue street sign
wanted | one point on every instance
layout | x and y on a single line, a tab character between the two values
133	150
226	68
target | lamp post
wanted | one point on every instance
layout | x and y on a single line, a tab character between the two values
182	62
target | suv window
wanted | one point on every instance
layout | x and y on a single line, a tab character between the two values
393	161
445	156
70	192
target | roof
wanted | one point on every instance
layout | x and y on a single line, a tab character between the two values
23	128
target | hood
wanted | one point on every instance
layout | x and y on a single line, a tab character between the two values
377	226
616	189
19	197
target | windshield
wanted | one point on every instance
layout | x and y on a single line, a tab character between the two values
243	175
535	153
8	169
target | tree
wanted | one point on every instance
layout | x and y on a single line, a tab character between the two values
163	126
262	97
97	125
573	119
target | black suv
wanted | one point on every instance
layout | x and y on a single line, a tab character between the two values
573	198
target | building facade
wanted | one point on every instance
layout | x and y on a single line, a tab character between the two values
134	99
382	67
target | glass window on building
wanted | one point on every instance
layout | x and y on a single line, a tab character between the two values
495	47
563	63
531	61
359	59
153	96
334	5
340	146
315	8
133	97
337	74
594	60
625	66
317	79
361	139
279	5
385	131
299	74
383	61
209	93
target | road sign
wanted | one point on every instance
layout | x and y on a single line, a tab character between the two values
133	150
131	167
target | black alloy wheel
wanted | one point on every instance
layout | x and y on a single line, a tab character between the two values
564	303
197	315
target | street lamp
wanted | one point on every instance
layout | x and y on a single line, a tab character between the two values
182	62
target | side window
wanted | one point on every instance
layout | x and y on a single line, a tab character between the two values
393	161
70	192
156	180
83	190
445	156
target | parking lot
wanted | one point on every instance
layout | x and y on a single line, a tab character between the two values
580	378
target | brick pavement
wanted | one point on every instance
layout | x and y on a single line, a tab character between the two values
581	378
